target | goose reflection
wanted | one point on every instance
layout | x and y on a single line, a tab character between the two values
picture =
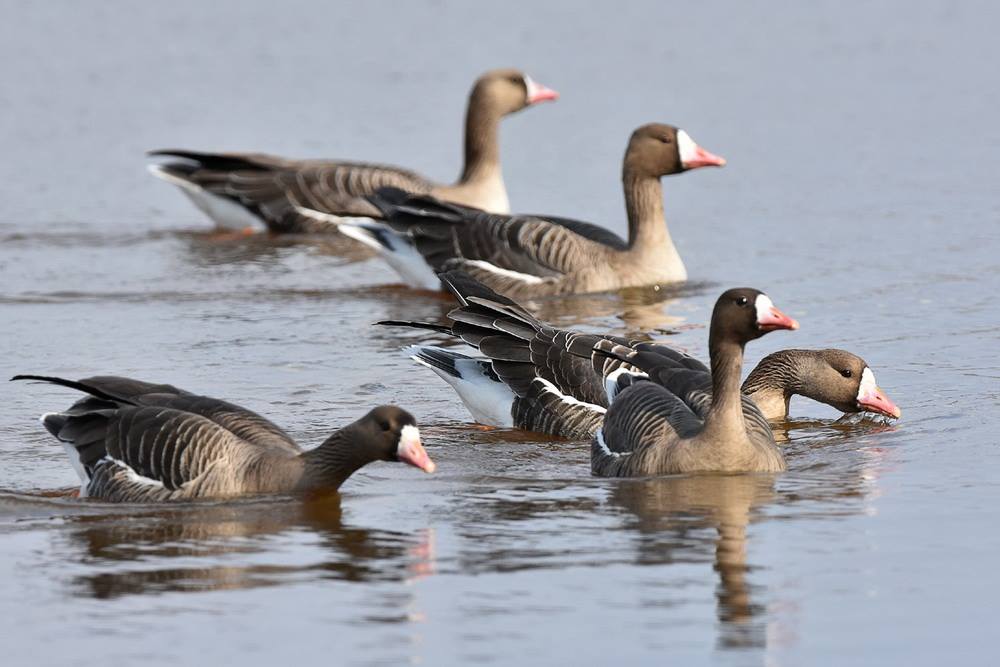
668	512
238	546
218	248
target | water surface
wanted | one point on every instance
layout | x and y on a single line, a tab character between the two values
861	194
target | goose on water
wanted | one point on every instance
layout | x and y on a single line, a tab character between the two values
535	377
141	442
673	417
533	255
240	190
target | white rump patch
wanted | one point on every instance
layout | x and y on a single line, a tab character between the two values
868	385
224	211
686	148
490	402
611	381
506	273
566	399
401	255
764	305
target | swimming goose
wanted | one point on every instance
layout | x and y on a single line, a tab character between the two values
531	255
140	442
558	384
241	189
679	418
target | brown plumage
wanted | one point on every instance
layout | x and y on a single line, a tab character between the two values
133	441
237	188
558	384
531	255
681	419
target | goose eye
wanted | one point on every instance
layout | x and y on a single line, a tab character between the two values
665	140
742	301
846	372
384	426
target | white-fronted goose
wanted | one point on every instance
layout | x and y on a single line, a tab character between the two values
134	441
241	189
684	419
539	378
531	255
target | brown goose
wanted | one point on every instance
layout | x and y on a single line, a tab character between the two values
241	189
538	378
134	441
531	255
683	420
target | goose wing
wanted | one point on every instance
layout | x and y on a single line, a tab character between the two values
518	247
271	187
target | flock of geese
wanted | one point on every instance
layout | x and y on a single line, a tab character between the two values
647	408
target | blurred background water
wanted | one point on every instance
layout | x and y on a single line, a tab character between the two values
860	193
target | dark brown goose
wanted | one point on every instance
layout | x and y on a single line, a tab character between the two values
241	189
134	441
685	419
531	255
539	378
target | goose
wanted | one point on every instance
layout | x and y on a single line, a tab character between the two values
241	190
679	418
142	442
535	377
524	256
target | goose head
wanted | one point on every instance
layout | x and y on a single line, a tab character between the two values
391	434
744	314
660	150
845	381
510	90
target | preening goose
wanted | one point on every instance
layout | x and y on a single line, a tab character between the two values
538	378
134	441
679	418
241	189
531	255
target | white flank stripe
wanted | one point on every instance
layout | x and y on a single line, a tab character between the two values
550	388
506	273
603	445
611	381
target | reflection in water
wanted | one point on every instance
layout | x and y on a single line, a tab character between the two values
669	510
233	546
214	248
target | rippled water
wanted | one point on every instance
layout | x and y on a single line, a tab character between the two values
861	194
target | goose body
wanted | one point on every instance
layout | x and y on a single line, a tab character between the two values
558	382
244	189
685	419
134	441
533	255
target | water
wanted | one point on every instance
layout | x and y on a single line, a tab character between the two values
860	193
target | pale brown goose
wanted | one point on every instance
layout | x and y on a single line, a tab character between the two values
134	441
241	189
532	255
686	419
538	378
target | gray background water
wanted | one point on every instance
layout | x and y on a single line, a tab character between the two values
861	193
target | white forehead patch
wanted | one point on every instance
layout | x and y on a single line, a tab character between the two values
764	305
686	148
532	87
868	385
408	437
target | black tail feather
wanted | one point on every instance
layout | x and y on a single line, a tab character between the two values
73	384
439	328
